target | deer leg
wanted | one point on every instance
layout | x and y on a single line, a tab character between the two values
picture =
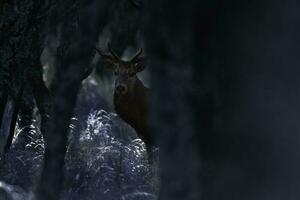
149	143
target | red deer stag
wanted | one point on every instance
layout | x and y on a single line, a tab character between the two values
130	95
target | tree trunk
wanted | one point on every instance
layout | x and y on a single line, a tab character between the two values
78	36
170	46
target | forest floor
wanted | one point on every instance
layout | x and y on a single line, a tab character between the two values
104	160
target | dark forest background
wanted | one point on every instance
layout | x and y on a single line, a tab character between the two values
224	77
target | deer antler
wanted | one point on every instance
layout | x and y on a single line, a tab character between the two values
112	52
136	56
100	51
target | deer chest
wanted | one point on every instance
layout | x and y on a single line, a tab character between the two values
131	111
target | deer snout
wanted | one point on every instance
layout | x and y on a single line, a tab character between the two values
121	89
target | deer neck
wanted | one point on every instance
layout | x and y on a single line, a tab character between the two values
132	106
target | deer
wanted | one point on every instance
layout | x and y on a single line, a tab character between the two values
130	97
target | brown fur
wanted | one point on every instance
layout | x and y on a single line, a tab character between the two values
131	104
132	107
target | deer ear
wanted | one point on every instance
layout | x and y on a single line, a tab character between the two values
140	64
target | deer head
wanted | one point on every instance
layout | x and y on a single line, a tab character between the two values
125	71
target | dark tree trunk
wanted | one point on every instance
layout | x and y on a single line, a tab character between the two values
173	62
78	37
28	114
21	48
3	102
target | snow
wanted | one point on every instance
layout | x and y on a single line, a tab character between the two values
104	160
